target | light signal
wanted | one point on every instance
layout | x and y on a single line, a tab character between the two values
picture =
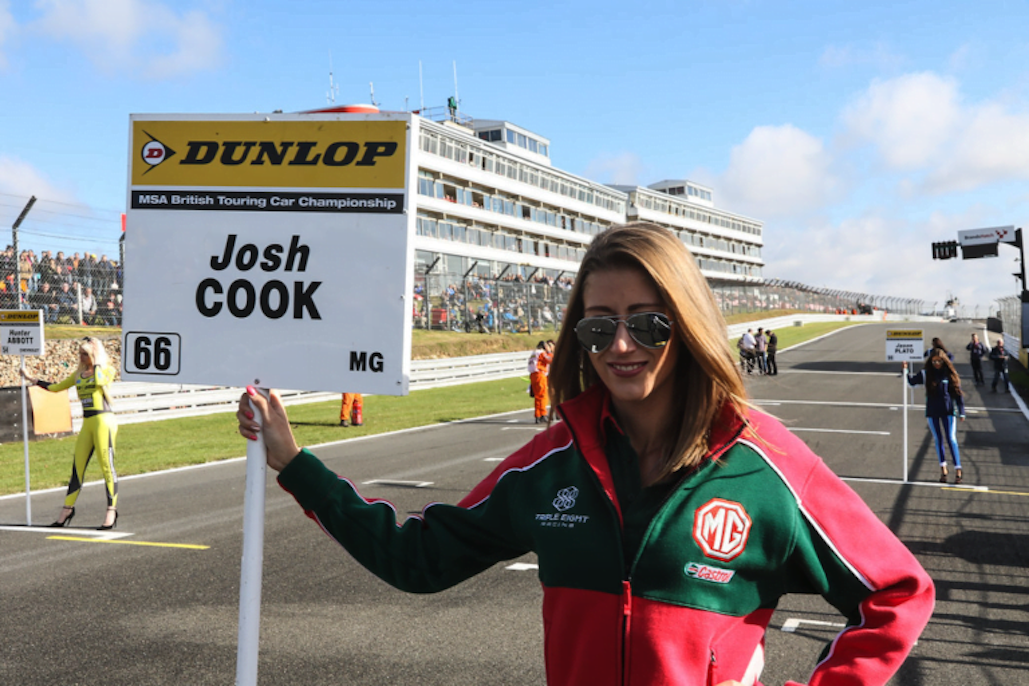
945	250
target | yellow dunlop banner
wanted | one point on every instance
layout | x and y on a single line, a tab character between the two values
269	154
902	334
19	317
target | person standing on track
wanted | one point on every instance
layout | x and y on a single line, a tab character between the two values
668	515
944	402
539	366
99	427
999	356
761	351
351	409
773	346
976	352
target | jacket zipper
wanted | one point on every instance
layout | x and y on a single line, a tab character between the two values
626	626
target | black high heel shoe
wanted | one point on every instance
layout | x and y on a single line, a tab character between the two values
61	523
105	527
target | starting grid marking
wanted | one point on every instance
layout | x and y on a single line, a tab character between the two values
793	623
398	482
89	534
95	536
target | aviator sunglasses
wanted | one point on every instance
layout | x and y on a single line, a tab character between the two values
649	329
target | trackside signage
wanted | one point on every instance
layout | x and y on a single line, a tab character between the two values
904	345
21	332
272	250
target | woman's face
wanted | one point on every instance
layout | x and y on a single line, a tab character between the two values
937	363
632	372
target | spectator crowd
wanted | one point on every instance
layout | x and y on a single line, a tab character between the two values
69	289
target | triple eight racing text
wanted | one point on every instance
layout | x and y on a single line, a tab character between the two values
273	298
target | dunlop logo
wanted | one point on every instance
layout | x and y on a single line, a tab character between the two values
293	153
283	154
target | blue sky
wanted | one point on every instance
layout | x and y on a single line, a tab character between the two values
858	132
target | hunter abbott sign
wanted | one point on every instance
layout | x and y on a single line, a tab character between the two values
272	250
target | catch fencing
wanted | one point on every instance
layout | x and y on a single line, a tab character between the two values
533	302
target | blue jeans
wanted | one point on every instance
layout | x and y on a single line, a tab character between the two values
944	431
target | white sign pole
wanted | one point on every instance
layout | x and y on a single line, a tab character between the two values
253	559
25	438
904	393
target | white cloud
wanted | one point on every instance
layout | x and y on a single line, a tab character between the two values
909	119
143	36
880	254
992	146
624	169
22	179
778	171
919	124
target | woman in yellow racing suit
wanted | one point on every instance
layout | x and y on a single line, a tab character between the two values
99	427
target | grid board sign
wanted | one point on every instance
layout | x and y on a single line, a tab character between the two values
270	250
21	332
904	345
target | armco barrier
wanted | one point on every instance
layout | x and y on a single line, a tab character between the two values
144	402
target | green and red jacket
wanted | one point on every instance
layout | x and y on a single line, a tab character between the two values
762	516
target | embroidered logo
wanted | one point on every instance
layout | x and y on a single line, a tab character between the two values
566	498
699	570
721	528
564	501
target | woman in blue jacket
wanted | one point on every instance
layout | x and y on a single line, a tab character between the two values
943	402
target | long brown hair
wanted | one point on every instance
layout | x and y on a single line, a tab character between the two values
933	377
705	376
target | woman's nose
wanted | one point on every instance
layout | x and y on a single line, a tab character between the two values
623	342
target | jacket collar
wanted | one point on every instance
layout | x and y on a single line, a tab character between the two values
589	416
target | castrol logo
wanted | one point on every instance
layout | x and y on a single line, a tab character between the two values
721	528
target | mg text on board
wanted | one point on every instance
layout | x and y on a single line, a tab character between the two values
273	298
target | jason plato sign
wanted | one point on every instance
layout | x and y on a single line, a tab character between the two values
904	345
270	252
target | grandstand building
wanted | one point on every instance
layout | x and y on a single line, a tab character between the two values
489	201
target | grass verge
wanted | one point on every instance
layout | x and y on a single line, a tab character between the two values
152	446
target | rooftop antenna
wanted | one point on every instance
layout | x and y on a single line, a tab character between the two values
371	86
330	97
456	96
421	89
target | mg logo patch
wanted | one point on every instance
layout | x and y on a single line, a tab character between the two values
721	528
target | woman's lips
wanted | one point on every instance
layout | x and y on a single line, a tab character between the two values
626	368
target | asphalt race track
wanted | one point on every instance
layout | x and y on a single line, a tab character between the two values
158	603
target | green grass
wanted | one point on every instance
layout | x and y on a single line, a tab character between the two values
152	446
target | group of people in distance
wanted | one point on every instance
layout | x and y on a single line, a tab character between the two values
997	355
758	351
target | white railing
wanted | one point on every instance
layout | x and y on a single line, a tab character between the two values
144	402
